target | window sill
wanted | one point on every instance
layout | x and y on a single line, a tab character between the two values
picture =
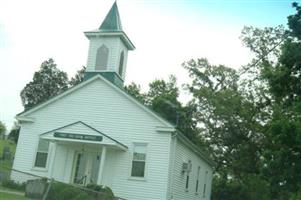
132	178
40	169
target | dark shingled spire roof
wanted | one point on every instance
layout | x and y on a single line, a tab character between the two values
112	21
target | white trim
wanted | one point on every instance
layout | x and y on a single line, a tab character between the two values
102	165
116	145
25	119
44	169
111	85
173	163
165	129
136	178
53	156
124	37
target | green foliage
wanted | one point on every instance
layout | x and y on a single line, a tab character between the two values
14	133
78	78
162	97
61	191
2	129
13	185
281	78
135	90
104	193
47	82
230	120
253	188
294	22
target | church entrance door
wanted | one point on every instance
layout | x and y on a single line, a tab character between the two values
86	167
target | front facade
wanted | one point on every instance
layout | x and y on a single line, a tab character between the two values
96	133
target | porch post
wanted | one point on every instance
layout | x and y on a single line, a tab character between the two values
52	160
101	165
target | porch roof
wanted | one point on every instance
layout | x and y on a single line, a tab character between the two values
83	133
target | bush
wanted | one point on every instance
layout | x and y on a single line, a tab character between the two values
253	187
105	193
61	191
13	185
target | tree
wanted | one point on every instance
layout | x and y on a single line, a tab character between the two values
162	97
282	147
135	90
78	78
2	129
47	82
14	133
231	125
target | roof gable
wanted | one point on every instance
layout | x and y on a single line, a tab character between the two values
27	113
77	131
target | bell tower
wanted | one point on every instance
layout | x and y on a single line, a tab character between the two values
108	49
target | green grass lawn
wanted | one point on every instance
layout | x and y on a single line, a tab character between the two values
6	164
6	196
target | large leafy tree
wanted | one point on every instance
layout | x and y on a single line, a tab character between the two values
47	82
281	74
229	120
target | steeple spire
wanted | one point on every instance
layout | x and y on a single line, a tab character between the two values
108	51
112	21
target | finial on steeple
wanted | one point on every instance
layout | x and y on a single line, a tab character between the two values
112	21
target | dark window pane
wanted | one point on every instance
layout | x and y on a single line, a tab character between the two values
121	63
138	169
41	159
139	156
102	58
187	182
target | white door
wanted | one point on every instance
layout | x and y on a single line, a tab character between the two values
86	167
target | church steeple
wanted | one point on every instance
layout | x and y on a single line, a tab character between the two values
112	21
108	50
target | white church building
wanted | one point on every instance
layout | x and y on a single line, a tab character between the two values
95	132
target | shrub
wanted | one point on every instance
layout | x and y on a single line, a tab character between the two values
104	193
61	191
13	185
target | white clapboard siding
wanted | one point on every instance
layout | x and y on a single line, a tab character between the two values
107	110
178	191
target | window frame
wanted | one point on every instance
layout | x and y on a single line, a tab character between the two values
197	183
188	176
36	155
98	58
132	159
121	65
205	184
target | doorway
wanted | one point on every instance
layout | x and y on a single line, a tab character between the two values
85	168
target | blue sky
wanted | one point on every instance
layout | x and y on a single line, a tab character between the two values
247	12
165	33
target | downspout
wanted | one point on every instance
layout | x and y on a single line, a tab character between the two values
174	136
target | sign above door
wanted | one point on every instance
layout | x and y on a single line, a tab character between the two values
77	136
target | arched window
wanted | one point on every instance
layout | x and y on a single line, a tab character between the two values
102	58
121	63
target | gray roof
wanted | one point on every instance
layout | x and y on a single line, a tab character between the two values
112	21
